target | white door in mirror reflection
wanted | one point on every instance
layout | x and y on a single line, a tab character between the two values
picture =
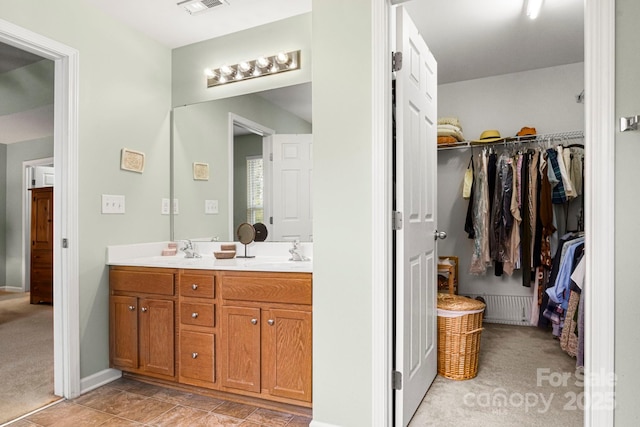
292	183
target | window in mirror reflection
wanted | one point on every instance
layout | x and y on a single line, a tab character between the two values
255	205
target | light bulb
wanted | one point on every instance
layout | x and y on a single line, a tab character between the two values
244	66
209	73
282	58
226	70
262	62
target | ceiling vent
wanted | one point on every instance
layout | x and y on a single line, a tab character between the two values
196	7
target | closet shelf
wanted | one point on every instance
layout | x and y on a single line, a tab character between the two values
548	137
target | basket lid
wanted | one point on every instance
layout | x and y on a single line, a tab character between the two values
458	303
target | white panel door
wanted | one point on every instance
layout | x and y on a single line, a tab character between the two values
43	176
292	182
415	197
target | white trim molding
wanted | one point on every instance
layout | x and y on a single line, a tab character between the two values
99	379
382	298
66	323
599	210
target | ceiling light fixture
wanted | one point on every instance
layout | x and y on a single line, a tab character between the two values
533	8
196	7
261	66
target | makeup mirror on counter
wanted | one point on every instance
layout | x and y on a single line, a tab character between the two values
232	164
246	234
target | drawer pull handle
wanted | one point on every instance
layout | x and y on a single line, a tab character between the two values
271	322
194	287
254	321
194	315
144	309
194	355
132	307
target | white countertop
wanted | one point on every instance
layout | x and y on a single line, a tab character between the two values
267	257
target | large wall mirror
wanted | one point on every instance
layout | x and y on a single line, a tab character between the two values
223	173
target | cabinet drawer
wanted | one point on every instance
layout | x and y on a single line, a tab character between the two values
199	314
197	286
146	282
197	356
267	288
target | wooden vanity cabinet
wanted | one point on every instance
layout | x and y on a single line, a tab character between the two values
142	321
266	341
198	330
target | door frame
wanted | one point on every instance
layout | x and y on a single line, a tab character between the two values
265	133
599	209
26	217
66	310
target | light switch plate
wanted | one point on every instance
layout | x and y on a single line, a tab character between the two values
210	206
112	204
165	208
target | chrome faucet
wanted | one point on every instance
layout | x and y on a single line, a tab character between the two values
189	250
296	253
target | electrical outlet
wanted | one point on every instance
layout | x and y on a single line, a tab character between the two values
165	208
112	204
210	206
176	207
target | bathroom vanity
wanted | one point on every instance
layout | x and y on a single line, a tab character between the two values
235	326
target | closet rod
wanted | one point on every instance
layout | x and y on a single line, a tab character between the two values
553	137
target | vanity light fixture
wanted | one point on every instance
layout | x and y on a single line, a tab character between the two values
261	66
533	8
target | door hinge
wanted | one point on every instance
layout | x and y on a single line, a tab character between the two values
271	157
65	243
396	61
396	379
396	218
271	220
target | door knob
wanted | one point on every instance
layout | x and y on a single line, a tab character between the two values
132	307
194	315
254	321
440	235
144	309
194	286
194	355
271	322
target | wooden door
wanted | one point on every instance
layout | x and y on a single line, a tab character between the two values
415	196
41	274
287	353
123	332
240	349
292	188
157	343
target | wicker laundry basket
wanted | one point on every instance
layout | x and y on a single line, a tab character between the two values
459	328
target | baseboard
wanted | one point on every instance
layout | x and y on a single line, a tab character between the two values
11	289
321	424
99	379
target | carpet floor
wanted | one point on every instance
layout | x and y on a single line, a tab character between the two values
26	355
524	379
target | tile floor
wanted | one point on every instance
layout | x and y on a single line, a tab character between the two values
127	402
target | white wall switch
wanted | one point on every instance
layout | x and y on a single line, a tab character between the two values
112	204
176	207
210	206
165	208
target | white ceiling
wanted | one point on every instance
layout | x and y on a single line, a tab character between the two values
469	38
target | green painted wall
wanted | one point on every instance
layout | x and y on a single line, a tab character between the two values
124	101
342	215
627	205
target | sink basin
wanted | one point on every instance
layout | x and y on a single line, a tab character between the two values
277	265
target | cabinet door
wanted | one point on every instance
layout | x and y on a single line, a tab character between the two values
157	346
240	352
287	353
123	331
